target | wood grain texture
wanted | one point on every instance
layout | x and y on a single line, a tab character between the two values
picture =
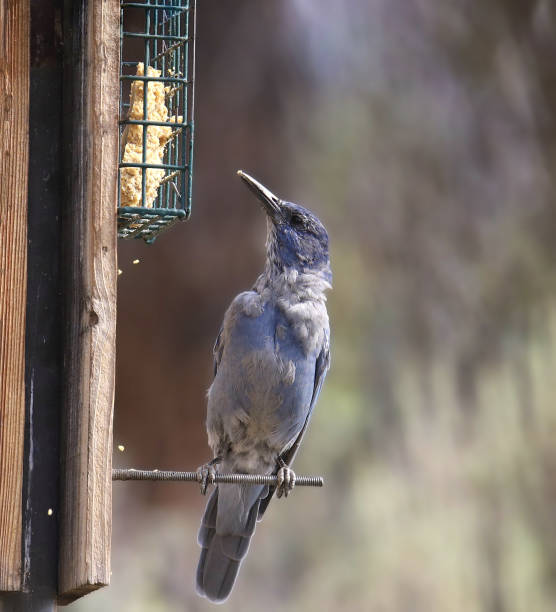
86	511
14	151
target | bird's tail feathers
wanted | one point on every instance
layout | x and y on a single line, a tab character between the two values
224	539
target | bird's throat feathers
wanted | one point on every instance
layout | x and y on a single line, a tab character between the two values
299	256
282	282
297	278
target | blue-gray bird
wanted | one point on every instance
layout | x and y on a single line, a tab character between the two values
271	357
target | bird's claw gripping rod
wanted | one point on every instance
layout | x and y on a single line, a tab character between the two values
171	476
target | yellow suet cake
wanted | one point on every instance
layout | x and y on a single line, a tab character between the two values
157	138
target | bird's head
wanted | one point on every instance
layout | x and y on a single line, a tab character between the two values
296	238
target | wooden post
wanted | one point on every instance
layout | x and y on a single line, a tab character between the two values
14	149
58	177
91	273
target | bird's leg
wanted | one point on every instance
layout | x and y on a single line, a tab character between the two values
286	479
207	473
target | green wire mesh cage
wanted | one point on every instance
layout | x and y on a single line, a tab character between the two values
157	70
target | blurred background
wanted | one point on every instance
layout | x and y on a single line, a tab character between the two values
423	133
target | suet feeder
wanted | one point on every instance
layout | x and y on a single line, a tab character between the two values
157	74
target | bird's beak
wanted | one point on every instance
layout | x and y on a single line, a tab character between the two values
271	204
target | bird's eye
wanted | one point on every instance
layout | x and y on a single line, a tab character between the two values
297	220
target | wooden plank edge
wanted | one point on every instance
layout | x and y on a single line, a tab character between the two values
87	485
14	136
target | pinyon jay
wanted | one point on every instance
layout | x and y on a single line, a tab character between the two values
271	358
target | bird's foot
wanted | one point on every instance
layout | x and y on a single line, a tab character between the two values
206	474
286	480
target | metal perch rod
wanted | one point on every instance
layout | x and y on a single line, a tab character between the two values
254	479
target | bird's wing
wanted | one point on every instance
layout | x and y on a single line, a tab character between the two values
321	368
217	350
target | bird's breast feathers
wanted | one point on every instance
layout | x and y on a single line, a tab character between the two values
298	316
265	378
